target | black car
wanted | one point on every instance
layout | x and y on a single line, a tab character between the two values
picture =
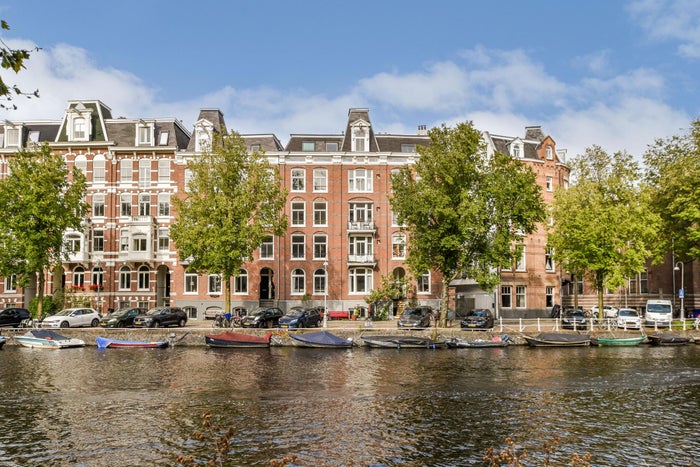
415	318
300	317
12	317
574	319
123	318
161	316
478	319
262	318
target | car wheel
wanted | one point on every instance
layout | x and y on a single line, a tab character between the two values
121	324
155	324
65	324
300	325
95	323
182	322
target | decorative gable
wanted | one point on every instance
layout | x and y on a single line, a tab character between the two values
203	132
360	130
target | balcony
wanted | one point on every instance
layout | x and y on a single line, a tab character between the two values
362	227
80	256
362	260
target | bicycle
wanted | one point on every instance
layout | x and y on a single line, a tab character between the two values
222	321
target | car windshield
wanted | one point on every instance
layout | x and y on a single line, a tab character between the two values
479	313
65	312
154	311
629	313
258	312
412	313
575	313
294	313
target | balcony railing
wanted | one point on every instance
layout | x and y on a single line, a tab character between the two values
368	226
361	260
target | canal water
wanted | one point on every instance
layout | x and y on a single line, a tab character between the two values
361	407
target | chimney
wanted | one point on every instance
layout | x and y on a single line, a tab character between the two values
422	130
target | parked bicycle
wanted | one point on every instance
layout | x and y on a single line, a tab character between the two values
222	320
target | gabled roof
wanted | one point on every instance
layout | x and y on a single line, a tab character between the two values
98	113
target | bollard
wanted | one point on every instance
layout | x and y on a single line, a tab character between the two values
538	325
520	324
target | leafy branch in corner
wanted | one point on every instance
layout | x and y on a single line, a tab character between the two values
12	59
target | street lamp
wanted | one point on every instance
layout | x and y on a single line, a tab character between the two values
325	293
99	278
681	292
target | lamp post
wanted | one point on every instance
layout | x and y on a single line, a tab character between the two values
681	292
98	276
325	293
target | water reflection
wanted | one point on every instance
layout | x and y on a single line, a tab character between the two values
349	407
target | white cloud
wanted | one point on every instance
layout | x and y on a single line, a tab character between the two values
675	20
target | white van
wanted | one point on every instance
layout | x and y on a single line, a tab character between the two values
658	313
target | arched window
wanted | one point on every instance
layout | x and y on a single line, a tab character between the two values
398	246
81	163
144	278
97	277
78	278
320	282
298	282
98	169
125	278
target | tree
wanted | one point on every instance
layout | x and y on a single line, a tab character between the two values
603	227
673	174
12	59
40	199
465	212
232	203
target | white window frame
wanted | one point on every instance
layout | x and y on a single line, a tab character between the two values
506	292
549	183
358	277
423	283
267	248
320	181
298	282
298	180
163	170
549	265
240	283
11	283
360	181
521	263
98	205
144	173
214	283
163	204
520	296
143	278
144	133
320	282
144	204
164	239
398	246
125	205
126	170
98	240
320	214
98	169
320	246
139	243
191	282
125	278
298	241
298	211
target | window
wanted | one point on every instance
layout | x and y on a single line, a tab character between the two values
423	283
214	282
643	282
549	296
395	219
298	179
144	278
320	246
81	163
267	248
125	205
98	240
240	282
163	204
124	240
163	239
191	312
320	216
549	153
74	243
298	246
98	169
188	178
549	260
33	136
520	264
164	170
331	147
191	282
360	213
126	170
10	283
144	133
307	146
144	204
254	147
298	282
408	148
360	181
320	282
298	213
144	173
506	296
360	246
79	278
139	242
163	141
124	278
97	278
320	180
12	138
520	296
549	183
79	129
98	205
516	151
398	246
566	184
360	137
360	280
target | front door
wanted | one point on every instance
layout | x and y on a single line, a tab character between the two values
267	285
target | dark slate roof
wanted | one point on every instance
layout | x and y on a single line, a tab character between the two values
100	112
393	143
216	117
266	142
353	116
123	132
534	133
296	142
531	143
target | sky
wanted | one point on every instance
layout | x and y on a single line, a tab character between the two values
617	74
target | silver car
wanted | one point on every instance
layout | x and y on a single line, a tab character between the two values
629	319
72	318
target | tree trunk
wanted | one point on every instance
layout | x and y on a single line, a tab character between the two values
599	288
444	302
227	294
40	294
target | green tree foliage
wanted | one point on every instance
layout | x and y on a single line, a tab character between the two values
603	227
233	201
465	212
12	59
673	174
40	199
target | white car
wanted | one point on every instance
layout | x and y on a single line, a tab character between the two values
72	318
608	311
629	319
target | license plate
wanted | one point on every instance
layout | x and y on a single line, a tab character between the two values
471	325
284	326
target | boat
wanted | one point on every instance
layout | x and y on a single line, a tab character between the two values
668	338
401	342
47	339
558	339
237	340
617	341
2	341
104	342
495	341
321	339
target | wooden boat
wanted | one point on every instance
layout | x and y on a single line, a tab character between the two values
496	341
47	339
617	341
2	341
237	340
104	342
321	339
558	339
668	338
402	342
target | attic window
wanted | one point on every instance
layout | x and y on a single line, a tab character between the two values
79	129
332	147
360	137
144	134
163	141
307	146
11	137
517	151
408	148
254	147
34	136
549	153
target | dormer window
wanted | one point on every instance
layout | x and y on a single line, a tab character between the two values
163	141
12	139
550	156
203	136
144	133
308	146
360	136
79	123
516	149
79	129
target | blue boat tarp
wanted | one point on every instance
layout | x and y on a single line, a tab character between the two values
320	339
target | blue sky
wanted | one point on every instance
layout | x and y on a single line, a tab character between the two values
618	74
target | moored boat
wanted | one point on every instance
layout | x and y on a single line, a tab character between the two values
558	339
237	340
496	341
402	342
668	338
617	341
104	342
2	341
47	339
321	339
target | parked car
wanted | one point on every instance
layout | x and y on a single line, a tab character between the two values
123	318
477	319
574	319
262	318
12	317
608	311
415	318
72	318
161	316
300	317
629	318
